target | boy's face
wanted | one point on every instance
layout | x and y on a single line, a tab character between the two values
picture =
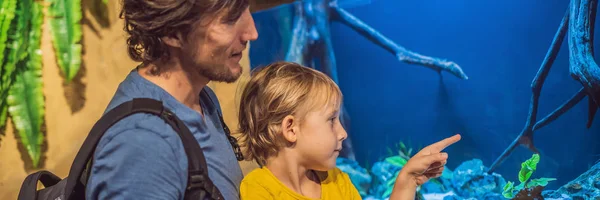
320	138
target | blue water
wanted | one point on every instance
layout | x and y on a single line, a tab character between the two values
499	44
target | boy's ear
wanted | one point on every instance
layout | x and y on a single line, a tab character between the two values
288	128
173	40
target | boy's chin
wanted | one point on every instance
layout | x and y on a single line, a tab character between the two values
325	166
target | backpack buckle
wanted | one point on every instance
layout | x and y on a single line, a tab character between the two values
201	180
197	179
167	115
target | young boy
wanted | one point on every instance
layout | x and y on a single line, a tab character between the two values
289	123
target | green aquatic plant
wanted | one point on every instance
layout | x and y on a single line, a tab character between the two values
397	158
526	187
404	153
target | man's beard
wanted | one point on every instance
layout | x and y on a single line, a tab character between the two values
219	73
214	71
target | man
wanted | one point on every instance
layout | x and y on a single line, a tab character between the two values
182	45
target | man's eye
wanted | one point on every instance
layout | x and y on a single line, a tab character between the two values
231	21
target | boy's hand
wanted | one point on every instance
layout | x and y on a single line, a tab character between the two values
426	164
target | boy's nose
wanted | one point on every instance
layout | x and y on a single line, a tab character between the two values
342	135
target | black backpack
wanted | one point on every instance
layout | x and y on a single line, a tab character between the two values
199	185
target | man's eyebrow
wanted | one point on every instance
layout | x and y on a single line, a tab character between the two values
259	5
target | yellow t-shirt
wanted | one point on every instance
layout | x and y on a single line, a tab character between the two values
262	184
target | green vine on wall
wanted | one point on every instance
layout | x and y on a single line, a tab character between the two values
65	17
21	86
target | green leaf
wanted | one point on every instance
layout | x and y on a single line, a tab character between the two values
539	182
528	167
402	146
519	187
3	115
392	181
7	26
390	185
26	98
7	14
388	192
65	17
389	151
26	107
508	191
525	173
396	160
15	49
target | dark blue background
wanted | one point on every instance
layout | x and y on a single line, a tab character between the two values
499	44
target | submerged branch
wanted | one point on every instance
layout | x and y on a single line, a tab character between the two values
561	110
583	66
401	53
526	136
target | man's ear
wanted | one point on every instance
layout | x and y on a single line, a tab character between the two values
289	129
175	40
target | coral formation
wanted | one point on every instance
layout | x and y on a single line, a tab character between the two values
470	180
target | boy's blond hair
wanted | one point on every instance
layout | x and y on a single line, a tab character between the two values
274	92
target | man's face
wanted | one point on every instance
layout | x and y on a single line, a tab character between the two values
213	49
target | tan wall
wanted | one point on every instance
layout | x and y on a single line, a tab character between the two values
106	64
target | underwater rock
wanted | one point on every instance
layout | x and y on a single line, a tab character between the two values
471	180
372	198
586	186
493	196
358	175
382	173
442	184
444	196
486	197
574	188
546	196
452	196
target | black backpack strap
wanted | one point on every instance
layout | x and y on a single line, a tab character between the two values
199	184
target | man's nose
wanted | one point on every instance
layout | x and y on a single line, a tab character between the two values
250	34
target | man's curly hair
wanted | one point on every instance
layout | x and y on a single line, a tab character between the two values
146	21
